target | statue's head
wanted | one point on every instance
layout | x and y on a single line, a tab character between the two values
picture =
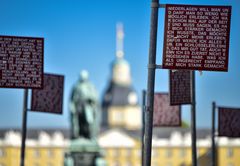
84	75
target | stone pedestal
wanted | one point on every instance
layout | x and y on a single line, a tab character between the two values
84	152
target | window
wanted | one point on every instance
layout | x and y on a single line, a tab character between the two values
182	153
2	153
229	152
138	152
117	117
115	153
154	163
116	163
154	152
50	153
128	163
36	153
168	164
138	164
128	152
198	153
168	153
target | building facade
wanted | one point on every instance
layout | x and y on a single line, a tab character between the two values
44	150
170	147
122	148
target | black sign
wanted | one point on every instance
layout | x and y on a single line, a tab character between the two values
50	98
180	87
164	114
21	62
196	37
229	122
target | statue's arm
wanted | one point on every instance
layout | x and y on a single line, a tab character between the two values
73	101
72	108
73	117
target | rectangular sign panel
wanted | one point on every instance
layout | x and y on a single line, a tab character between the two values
196	37
229	122
180	87
164	114
50	98
21	62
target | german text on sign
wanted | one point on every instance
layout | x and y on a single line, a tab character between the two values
21	62
196	37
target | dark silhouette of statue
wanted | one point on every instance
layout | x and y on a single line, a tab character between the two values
84	109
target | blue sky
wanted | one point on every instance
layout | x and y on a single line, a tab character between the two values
81	35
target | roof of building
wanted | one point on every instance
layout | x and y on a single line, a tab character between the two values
164	132
161	132
114	137
117	95
33	133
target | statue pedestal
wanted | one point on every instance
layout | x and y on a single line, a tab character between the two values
84	152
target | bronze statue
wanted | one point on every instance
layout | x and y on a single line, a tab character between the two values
84	109
84	117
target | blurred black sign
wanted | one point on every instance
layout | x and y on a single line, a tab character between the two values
50	98
163	113
229	122
180	87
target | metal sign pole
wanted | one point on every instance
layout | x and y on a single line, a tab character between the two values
213	135
143	119
151	83
193	122
24	126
